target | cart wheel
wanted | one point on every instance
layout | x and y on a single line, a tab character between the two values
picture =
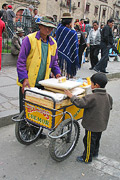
62	147
25	132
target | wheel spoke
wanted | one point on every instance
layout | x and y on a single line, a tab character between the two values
60	148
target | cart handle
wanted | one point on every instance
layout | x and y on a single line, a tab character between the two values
18	117
56	137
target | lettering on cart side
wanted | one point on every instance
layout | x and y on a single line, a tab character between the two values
76	113
43	121
31	109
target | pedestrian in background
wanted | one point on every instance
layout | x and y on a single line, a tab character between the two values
106	44
17	41
87	29
10	17
67	42
93	41
35	14
82	25
34	18
4	10
2	28
97	108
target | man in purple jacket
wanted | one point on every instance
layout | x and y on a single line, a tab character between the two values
37	58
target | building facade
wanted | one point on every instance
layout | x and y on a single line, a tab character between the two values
100	10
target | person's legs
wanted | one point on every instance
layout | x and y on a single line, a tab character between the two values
81	50
91	146
96	52
92	56
87	53
97	144
102	64
21	107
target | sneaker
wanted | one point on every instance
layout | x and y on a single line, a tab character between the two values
95	155
80	159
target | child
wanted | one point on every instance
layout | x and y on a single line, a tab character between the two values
97	108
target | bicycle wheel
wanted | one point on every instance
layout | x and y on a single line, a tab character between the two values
25	132
62	147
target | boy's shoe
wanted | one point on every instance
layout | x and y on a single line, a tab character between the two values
95	155
80	159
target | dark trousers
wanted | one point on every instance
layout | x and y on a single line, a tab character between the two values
102	64
87	52
91	142
94	51
81	50
21	104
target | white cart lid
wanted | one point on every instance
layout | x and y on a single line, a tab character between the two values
53	83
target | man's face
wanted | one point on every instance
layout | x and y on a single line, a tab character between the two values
111	24
36	11
45	30
6	7
82	21
21	34
95	26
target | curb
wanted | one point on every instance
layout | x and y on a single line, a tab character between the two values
7	120
114	75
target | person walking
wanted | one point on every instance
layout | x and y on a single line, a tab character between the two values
106	45
2	28
93	41
67	42
17	42
97	108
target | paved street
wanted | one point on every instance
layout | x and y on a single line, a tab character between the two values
19	162
9	90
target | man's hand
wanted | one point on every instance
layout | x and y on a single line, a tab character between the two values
25	84
68	93
58	75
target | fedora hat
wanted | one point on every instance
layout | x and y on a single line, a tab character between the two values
46	21
19	30
66	16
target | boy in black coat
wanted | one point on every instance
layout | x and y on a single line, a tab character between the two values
97	108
